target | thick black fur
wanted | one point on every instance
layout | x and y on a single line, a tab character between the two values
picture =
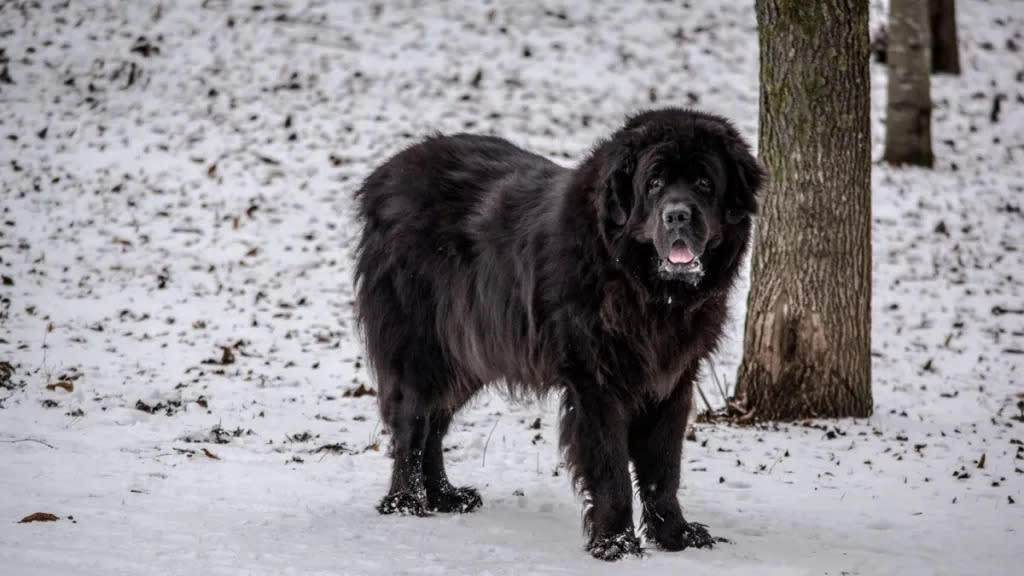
481	262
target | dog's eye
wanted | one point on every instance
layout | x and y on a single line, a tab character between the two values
734	216
655	185
702	184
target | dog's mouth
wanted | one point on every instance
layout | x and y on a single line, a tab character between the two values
680	254
682	263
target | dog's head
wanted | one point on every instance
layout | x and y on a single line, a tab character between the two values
678	193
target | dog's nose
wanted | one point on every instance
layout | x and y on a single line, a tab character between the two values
675	215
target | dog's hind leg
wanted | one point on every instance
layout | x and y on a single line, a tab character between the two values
407	417
441	495
411	406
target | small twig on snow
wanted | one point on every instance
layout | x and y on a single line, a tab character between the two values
704	398
483	459
718	383
19	440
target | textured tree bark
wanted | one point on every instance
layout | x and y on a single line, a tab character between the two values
908	121
945	51
807	346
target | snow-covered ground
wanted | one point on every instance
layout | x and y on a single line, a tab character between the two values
176	238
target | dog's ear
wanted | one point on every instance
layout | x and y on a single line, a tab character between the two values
746	179
618	193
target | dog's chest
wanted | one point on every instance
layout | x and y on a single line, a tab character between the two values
653	345
668	369
680	343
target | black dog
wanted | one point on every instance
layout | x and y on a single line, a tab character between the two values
481	262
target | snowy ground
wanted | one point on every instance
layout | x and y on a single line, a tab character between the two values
176	296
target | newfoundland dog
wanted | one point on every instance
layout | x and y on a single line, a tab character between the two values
481	262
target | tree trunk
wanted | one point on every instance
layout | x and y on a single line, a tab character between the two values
807	347
908	121
945	51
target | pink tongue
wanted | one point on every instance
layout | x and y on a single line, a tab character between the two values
680	254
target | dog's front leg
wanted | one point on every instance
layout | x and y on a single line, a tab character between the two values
656	446
595	439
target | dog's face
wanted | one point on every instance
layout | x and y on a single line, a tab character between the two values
681	193
679	211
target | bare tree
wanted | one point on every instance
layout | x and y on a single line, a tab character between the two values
945	51
908	122
807	347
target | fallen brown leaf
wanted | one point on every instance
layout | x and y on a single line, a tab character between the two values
65	384
227	357
362	390
38	517
210	455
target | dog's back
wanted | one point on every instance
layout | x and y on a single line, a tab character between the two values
446	264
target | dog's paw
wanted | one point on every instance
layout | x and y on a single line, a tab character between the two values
684	535
404	504
460	500
611	548
669	531
696	535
